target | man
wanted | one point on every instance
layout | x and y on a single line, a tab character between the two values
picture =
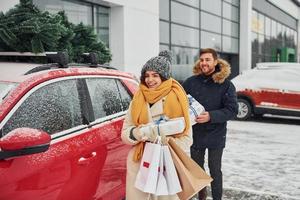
211	87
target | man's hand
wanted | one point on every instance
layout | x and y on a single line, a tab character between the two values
203	118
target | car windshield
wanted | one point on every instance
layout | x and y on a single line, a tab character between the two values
5	88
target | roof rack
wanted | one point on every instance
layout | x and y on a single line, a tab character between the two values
61	58
93	59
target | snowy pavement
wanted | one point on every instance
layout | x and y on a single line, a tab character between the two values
262	160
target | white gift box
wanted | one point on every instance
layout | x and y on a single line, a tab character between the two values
195	108
164	127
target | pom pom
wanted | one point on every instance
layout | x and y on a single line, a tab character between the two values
167	54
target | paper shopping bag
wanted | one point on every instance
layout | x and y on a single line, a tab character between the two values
147	176
192	177
161	188
170	172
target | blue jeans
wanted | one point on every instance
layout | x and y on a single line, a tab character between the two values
214	165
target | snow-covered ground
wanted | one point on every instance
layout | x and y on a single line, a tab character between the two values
262	158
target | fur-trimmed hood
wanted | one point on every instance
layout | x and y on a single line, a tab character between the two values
218	77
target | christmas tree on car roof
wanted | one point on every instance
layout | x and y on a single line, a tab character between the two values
25	28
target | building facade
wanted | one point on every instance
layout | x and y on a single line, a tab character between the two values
243	32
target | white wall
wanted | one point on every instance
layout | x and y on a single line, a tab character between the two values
134	33
5	5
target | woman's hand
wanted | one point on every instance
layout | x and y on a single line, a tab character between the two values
151	136
138	135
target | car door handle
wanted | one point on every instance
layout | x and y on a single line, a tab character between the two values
87	159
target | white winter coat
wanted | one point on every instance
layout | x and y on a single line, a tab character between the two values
184	142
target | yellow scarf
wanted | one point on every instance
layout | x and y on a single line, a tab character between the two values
176	105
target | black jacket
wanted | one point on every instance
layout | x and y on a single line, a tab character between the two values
218	96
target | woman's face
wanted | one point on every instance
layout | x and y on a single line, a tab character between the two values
152	79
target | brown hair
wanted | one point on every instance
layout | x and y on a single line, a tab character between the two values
143	77
209	50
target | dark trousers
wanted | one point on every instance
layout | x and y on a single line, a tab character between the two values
214	165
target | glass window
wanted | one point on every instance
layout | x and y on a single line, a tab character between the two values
234	2
183	62
52	108
268	26
210	40
207	20
125	96
76	11
230	28
103	35
284	35
261	23
184	55
105	96
254	42
102	17
230	44
163	47
212	6
279	31
255	23
184	36
230	12
295	39
102	23
164	36
273	29
185	15
267	46
261	41
194	3
164	9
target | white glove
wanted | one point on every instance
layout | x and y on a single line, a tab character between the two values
151	135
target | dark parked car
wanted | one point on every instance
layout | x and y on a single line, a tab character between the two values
270	88
60	131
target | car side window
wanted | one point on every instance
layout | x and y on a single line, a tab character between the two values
52	108
108	96
125	96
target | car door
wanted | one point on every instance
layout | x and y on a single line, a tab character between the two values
71	168
278	89
110	100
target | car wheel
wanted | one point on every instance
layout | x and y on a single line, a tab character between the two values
245	110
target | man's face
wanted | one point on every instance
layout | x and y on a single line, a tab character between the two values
207	63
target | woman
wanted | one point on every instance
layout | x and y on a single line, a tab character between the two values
158	95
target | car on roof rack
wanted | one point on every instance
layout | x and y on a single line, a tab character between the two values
60	127
269	88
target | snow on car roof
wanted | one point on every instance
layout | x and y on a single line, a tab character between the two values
279	78
272	65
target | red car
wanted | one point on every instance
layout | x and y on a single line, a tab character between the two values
270	88
60	131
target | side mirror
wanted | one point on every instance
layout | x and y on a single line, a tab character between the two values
23	141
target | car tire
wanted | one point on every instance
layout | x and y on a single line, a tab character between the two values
245	110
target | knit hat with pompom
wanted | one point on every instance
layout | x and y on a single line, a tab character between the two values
160	64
